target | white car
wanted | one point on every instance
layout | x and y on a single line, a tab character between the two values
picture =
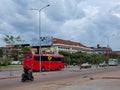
15	62
85	65
102	64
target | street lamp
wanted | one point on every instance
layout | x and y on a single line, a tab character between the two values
39	12
108	47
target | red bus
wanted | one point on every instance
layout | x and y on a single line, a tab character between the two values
48	61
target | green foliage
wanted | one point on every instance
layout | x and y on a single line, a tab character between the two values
82	57
26	49
9	39
99	58
10	67
18	51
67	57
5	62
1	52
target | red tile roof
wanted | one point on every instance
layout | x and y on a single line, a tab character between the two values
68	42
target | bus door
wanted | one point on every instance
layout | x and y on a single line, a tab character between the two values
37	63
50	63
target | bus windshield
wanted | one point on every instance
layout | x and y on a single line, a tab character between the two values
28	56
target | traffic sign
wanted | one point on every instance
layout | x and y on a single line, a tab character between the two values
49	58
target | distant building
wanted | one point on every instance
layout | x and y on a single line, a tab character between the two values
116	52
8	50
69	46
55	45
63	45
101	50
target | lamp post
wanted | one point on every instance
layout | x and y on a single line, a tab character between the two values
108	49
108	45
39	13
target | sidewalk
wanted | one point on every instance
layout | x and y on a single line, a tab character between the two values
106	81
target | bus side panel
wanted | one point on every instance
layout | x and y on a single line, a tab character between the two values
45	65
62	65
52	65
36	66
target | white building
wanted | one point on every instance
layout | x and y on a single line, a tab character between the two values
65	45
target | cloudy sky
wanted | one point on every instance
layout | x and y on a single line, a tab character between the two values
89	22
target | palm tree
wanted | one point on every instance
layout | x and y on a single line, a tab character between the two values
11	40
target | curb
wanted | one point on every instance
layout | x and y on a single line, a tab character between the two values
4	70
18	76
10	77
111	78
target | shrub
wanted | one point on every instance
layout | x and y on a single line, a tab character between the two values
5	61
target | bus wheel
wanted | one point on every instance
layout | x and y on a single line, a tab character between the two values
42	69
59	68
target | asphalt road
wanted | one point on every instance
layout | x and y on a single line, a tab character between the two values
12	83
102	81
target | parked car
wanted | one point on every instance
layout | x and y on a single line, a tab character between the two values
85	65
103	64
15	62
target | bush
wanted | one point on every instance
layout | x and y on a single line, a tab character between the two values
5	61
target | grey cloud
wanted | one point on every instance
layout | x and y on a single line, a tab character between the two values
84	21
62	11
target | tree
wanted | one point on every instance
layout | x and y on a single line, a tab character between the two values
21	51
83	57
9	39
26	49
18	50
67	57
1	52
80	57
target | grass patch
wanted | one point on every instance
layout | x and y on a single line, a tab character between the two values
11	67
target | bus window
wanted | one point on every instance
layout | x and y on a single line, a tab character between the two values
56	58
36	58
43	58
